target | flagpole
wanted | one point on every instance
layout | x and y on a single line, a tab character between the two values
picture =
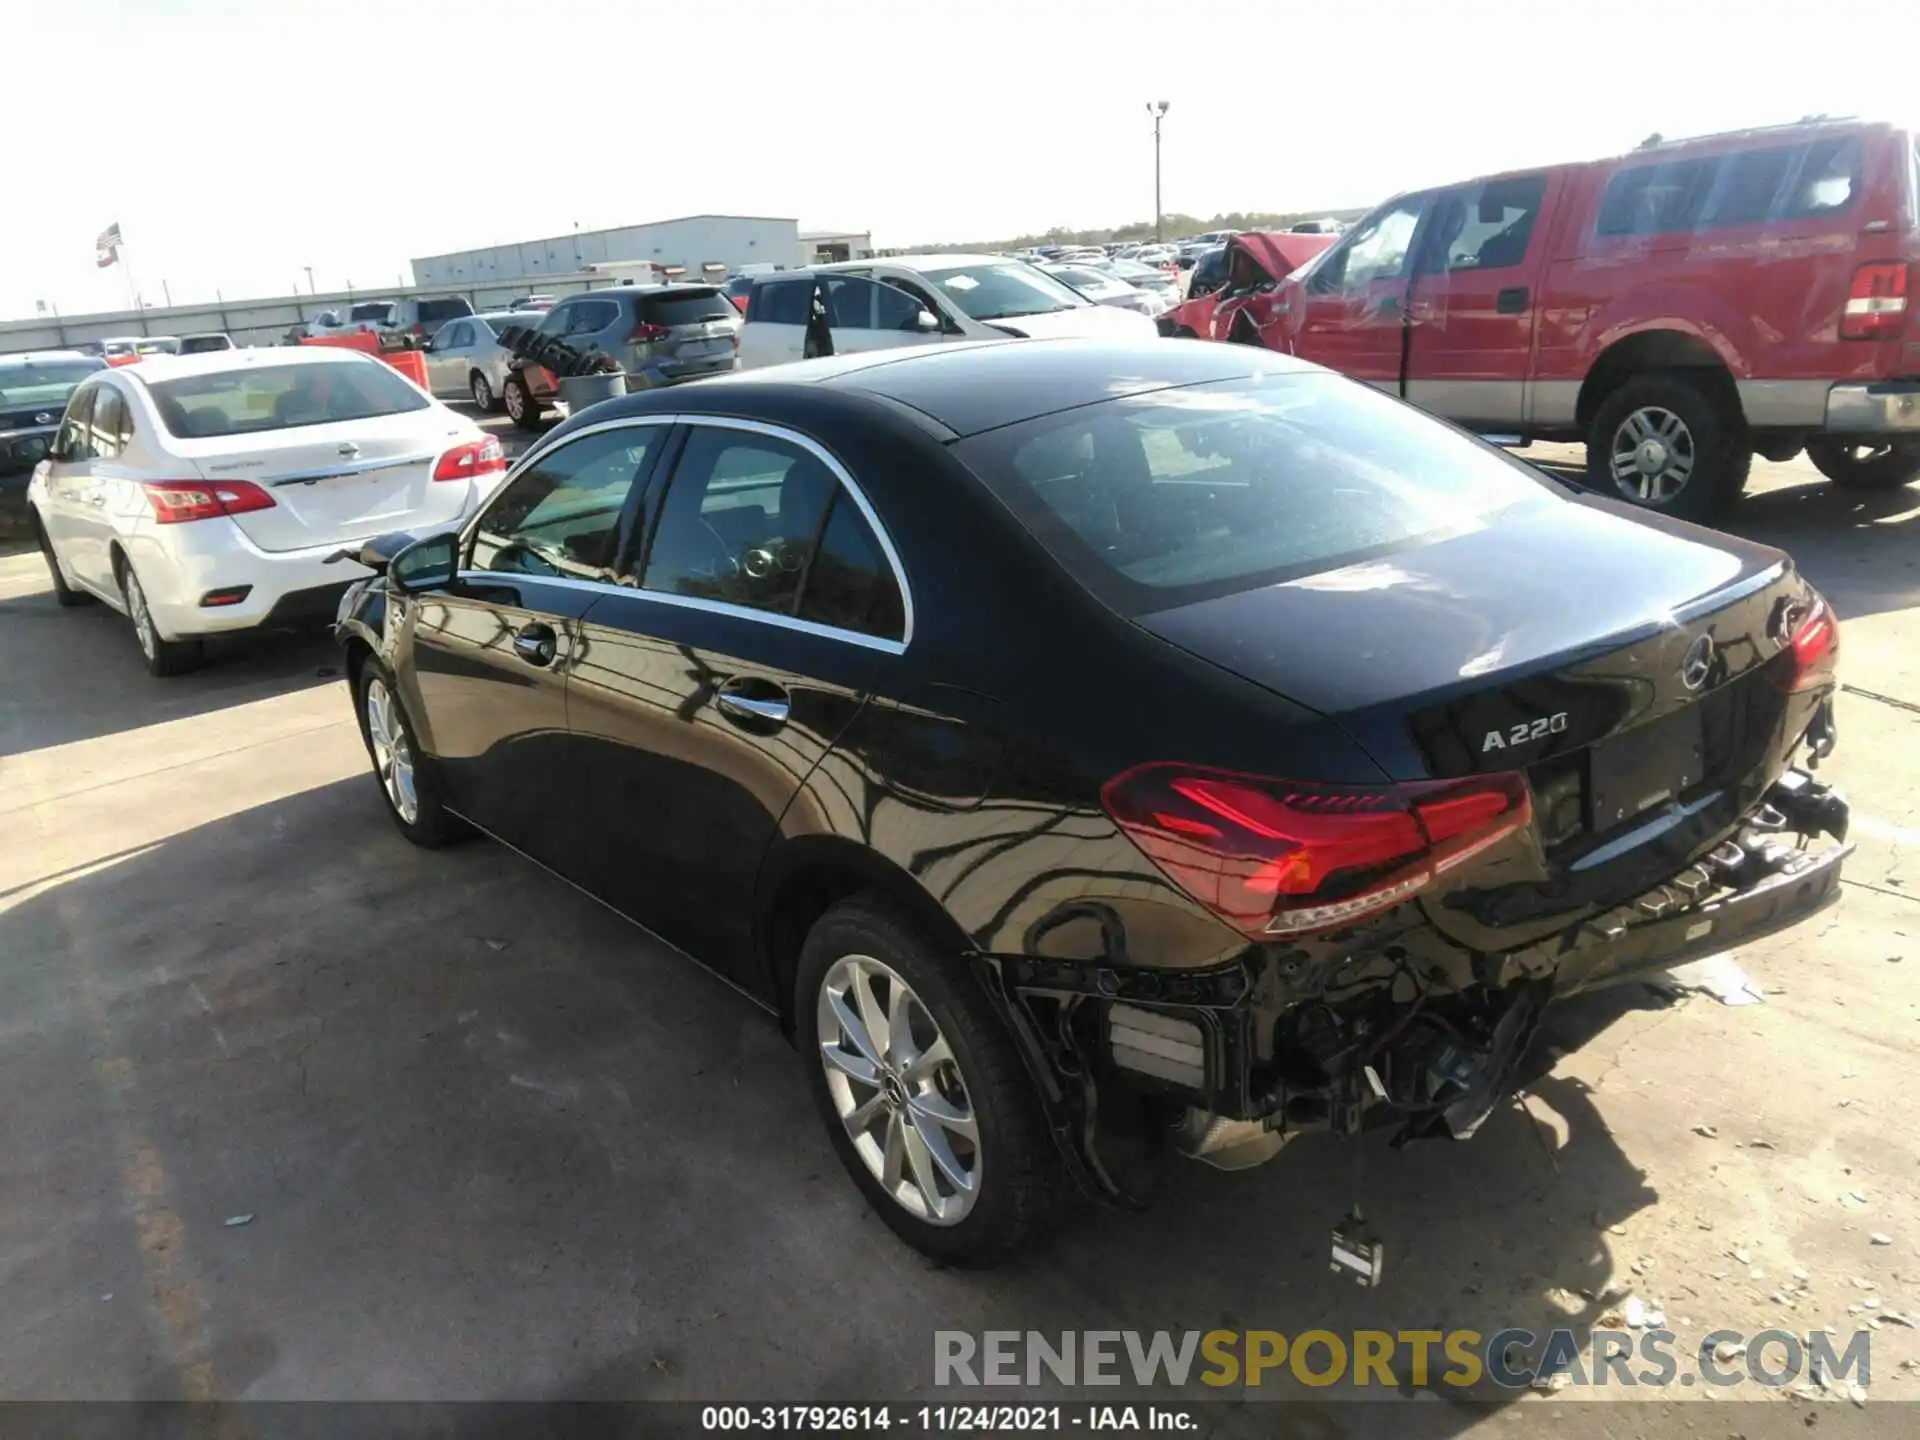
133	286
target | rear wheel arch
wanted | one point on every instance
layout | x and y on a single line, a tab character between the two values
1650	350
802	879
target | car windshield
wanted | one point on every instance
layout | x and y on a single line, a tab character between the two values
999	292
1158	500
248	399
43	382
1081	278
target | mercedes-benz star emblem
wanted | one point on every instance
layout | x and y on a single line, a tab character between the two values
1697	664
45	417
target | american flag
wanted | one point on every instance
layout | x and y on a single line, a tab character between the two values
107	247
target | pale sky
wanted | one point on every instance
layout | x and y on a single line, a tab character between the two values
236	143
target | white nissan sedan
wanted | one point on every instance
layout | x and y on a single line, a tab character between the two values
203	494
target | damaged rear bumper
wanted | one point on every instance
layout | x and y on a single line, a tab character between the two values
1238	1059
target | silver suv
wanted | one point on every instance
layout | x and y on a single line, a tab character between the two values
659	334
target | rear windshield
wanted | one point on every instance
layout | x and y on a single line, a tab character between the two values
202	344
1158	500
451	308
381	311
281	397
686	308
47	383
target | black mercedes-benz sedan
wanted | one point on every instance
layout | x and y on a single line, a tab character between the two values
1076	745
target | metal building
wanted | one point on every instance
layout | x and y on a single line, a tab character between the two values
695	244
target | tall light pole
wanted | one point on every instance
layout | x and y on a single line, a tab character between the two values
1157	109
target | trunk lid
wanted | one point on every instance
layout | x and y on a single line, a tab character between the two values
1617	662
341	482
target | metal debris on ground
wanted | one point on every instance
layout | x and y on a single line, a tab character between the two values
1707	1130
1717	975
233	1220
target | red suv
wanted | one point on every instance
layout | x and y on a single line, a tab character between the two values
1679	309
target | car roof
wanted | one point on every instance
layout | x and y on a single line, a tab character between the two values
48	357
970	386
175	367
919	262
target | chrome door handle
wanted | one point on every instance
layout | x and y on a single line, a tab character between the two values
536	644
765	709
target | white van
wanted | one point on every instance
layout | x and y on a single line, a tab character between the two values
859	305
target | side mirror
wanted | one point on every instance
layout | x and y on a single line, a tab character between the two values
924	322
428	564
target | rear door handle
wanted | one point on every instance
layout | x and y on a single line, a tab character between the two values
1512	301
536	644
758	702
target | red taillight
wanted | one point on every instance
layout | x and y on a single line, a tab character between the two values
1815	643
475	458
646	330
1273	857
175	502
1876	303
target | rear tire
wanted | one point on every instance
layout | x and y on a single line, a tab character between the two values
952	1094
484	399
1665	442
164	657
522	408
408	778
1883	466
63	594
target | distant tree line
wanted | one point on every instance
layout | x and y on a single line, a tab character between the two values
1174	226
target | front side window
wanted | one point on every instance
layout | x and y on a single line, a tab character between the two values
1378	250
781	302
849	301
72	443
245	400
894	309
560	516
1161	499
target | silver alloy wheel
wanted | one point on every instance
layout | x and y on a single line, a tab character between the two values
482	392
516	396
392	755
142	617
897	1088
1653	455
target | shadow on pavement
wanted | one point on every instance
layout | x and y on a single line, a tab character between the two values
494	1142
77	674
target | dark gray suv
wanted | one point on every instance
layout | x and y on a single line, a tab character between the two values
33	396
660	335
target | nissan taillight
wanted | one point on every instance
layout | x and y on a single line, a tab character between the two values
1814	642
1278	857
472	460
1876	306
175	502
646	331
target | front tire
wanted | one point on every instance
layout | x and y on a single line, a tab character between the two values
408	780
923	1093
164	657
64	594
522	408
483	396
1663	441
1883	466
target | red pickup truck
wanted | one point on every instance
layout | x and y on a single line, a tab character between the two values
1679	309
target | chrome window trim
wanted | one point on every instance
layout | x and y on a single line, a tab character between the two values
720	607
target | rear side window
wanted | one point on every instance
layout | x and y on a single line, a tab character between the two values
111	426
1751	187
279	397
1483	227
590	317
782	302
849	584
1159	500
